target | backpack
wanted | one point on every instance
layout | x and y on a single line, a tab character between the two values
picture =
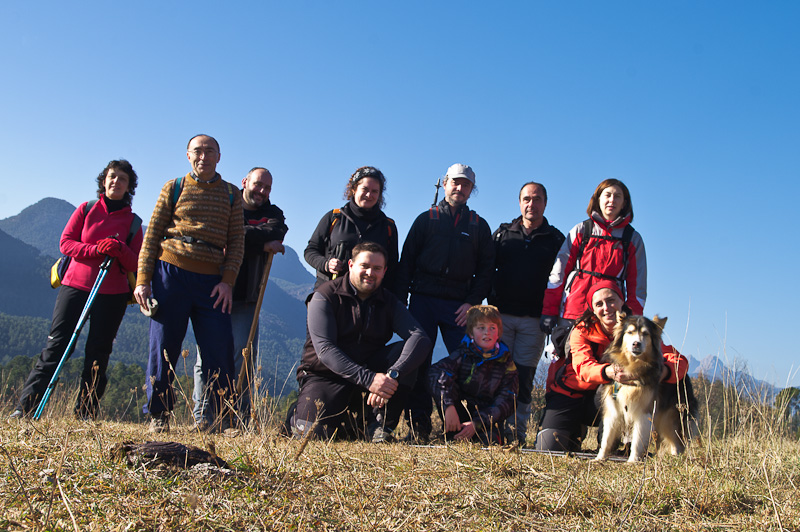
627	234
560	340
433	214
341	250
59	269
561	352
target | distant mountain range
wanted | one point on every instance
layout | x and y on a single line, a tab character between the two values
30	245
714	369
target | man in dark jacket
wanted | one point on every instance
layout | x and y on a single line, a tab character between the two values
350	321
525	251
264	230
446	265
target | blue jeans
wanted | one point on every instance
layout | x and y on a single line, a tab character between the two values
183	295
241	320
432	314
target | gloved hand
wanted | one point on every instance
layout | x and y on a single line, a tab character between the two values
548	323
110	246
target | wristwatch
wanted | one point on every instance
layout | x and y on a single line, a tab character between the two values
393	374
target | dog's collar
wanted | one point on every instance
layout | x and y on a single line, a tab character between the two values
615	390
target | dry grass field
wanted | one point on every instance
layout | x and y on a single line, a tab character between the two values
60	474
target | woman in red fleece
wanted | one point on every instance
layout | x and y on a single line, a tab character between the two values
572	382
95	230
603	247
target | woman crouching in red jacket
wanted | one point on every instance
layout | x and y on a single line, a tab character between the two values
572	382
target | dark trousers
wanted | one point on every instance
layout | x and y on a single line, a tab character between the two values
526	375
104	319
183	295
565	420
433	314
342	404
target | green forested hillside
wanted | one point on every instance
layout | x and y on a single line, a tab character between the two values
24	274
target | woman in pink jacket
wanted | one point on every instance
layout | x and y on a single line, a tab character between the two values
95	230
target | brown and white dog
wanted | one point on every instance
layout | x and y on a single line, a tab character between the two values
627	409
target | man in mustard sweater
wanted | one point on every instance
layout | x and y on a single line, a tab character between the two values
188	263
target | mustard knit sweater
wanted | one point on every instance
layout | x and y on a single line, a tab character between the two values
203	212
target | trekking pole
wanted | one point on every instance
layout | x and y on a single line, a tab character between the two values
104	267
340	253
438	185
247	352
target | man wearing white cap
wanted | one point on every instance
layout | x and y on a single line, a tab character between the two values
446	265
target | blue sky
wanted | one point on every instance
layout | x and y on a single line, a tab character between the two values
694	105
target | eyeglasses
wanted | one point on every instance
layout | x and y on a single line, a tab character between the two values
197	152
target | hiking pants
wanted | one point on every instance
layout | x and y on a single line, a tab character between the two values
340	399
241	320
432	314
104	319
183	295
565	421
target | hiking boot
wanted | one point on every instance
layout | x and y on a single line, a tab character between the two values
381	434
202	426
16	415
159	424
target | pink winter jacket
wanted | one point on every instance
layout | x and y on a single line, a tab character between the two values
79	241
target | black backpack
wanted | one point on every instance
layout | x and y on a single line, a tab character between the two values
342	250
560	340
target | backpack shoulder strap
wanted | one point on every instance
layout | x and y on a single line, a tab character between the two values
433	213
389	224
177	188
88	206
627	234
136	223
336	215
586	229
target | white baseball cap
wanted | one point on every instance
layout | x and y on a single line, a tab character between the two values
460	170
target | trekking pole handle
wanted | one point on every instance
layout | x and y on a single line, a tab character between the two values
438	185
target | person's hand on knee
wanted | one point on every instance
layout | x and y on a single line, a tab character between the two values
452	423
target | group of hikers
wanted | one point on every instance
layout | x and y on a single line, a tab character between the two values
204	254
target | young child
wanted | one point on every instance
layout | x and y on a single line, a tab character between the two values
482	373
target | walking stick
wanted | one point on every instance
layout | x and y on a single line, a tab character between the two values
247	352
104	266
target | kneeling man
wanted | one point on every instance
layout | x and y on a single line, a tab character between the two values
350	321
